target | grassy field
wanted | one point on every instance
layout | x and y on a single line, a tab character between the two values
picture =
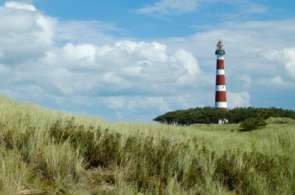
47	152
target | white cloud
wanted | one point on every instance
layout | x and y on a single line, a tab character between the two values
80	54
137	104
135	67
253	8
243	7
85	32
173	7
47	26
290	63
20	5
287	58
239	99
170	7
24	35
189	62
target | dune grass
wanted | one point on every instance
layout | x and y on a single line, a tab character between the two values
47	152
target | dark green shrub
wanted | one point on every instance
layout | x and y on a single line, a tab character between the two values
12	139
8	139
106	151
99	148
23	143
252	124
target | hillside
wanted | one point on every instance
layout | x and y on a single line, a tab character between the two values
47	152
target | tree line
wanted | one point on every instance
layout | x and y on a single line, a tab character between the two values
209	115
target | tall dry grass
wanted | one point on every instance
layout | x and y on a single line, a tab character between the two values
46	152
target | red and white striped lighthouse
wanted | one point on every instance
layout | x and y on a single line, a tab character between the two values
220	96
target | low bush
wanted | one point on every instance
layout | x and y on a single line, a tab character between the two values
252	124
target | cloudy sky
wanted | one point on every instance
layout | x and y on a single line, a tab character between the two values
133	60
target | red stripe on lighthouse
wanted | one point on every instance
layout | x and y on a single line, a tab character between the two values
220	96
220	80
220	64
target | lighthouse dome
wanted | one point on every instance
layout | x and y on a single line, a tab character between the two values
220	48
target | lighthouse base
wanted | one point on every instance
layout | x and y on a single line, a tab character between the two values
223	121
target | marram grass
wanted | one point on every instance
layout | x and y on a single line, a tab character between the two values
47	152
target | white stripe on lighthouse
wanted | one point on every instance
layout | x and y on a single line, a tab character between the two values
220	72
220	57
220	88
221	104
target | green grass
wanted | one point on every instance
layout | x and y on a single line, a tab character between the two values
47	152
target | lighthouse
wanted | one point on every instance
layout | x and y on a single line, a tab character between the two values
220	95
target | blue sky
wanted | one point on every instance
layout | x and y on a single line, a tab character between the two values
133	60
174	23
